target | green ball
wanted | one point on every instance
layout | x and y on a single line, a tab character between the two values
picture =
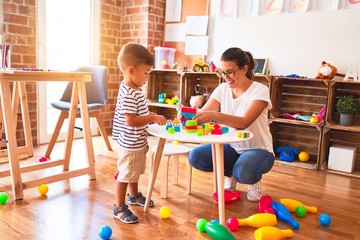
300	211
3	197
200	224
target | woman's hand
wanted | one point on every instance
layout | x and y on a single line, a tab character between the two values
205	116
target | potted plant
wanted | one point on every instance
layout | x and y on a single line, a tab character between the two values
347	106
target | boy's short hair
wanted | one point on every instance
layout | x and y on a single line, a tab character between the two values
134	54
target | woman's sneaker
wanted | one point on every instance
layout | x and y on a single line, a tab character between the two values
254	192
230	184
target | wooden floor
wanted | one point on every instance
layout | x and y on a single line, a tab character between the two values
78	208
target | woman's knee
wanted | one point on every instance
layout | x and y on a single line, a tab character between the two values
200	158
252	164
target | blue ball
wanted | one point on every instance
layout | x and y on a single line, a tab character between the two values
105	232
325	219
215	221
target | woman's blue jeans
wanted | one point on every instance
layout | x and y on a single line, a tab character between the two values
247	167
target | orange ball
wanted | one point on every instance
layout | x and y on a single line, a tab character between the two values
303	156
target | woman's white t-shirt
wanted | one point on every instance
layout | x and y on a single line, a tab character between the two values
262	138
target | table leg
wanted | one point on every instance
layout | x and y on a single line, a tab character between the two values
9	123
153	173
70	132
213	152
26	119
219	151
87	132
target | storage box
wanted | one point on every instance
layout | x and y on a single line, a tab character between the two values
164	57
342	158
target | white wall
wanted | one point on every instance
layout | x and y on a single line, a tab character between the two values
293	42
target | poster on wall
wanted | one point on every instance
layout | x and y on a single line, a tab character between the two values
273	6
299	6
327	5
228	8
353	4
173	10
251	7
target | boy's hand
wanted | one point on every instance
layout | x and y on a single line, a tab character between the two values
159	119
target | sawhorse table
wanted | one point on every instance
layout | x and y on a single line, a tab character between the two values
8	110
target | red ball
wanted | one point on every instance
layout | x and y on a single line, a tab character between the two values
232	224
43	159
116	175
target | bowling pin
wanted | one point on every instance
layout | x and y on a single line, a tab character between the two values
228	195
283	214
264	205
258	220
292	204
218	231
272	233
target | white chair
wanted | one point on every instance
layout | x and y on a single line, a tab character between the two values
174	151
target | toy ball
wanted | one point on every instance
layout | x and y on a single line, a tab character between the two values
164	212
300	211
3	197
43	189
215	221
200	224
303	156
105	232
43	159
176	142
232	224
325	219
116	175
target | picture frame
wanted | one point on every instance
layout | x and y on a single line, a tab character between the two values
260	66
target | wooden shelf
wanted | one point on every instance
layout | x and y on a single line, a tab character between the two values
297	122
333	132
153	103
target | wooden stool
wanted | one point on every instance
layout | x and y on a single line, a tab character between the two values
174	151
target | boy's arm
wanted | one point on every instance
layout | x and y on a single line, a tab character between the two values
134	120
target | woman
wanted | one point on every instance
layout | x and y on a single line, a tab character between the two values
240	103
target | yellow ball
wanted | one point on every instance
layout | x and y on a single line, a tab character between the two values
303	156
176	142
43	189
164	212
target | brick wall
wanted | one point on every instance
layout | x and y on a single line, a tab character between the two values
19	30
128	21
122	21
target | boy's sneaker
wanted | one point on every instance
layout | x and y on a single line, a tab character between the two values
230	184
124	214
139	200
254	192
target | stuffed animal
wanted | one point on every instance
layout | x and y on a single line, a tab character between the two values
327	71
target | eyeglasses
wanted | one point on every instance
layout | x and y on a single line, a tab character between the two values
228	73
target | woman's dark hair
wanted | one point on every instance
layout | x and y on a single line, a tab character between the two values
241	58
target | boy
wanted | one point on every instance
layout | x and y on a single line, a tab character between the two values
131	119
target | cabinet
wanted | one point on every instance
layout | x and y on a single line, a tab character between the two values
334	133
298	95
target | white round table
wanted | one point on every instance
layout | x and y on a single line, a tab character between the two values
217	142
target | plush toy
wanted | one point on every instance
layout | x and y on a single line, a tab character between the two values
327	71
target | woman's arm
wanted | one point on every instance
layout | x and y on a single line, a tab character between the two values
208	114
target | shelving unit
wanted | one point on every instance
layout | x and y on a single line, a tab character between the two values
195	83
298	95
288	95
333	132
163	81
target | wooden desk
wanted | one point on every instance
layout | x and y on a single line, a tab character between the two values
217	142
78	95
